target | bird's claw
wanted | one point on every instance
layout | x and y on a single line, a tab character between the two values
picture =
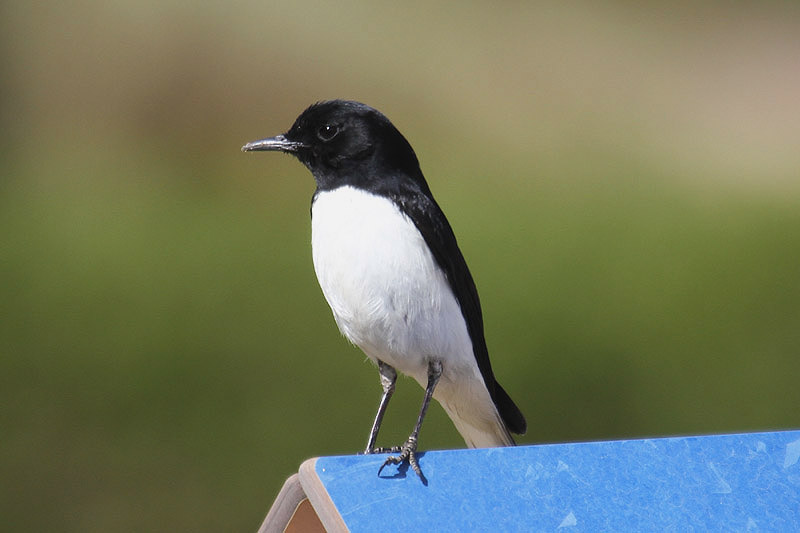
408	452
373	451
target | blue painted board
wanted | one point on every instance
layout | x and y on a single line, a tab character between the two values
742	482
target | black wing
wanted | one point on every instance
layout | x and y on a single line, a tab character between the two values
417	202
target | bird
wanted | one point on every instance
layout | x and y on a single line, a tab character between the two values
390	268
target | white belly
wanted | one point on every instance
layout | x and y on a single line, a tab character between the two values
386	292
390	298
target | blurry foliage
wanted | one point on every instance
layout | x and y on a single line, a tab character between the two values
623	182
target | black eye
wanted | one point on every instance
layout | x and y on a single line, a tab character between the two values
327	132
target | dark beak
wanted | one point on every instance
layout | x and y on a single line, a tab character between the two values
278	143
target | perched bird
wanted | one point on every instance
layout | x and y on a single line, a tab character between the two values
390	268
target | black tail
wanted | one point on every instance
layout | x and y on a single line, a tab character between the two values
509	412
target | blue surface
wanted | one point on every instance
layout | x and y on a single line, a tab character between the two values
745	482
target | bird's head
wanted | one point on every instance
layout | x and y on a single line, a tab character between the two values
344	142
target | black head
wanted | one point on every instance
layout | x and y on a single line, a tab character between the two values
346	143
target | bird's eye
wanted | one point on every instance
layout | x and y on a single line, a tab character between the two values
327	132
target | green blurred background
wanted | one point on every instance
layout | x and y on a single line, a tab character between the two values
624	181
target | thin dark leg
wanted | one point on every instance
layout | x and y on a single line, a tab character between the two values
408	451
388	379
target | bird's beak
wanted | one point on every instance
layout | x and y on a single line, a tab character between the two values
279	143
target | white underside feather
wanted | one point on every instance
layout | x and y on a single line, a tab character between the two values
390	298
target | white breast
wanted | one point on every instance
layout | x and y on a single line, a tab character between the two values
390	298
386	291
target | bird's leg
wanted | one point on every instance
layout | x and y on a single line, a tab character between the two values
408	450
388	379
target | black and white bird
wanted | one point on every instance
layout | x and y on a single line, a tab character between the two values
389	266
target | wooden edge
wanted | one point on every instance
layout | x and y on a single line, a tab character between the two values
285	504
320	499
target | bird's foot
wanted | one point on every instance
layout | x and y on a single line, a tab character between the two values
408	452
373	451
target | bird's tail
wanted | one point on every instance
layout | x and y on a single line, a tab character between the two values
487	435
509	412
475	415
